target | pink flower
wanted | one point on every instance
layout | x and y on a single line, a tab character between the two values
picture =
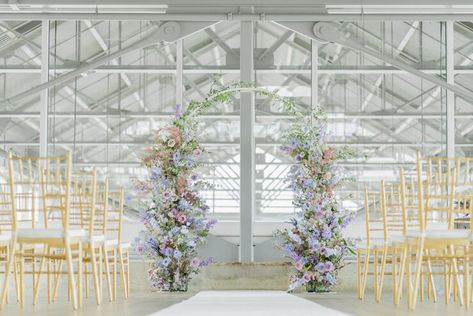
292	278
299	265
195	262
182	218
197	152
329	154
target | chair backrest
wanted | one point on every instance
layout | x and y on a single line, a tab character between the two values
6	214
83	195
436	190
46	179
393	211
375	221
101	205
409	202
115	214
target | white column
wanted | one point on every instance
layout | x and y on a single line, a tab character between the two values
247	144
179	72
450	64
44	105
314	74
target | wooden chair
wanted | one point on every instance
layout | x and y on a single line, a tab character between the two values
51	178
115	243
436	195
375	238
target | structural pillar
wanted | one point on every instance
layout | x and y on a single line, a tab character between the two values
314	74
450	65
179	72
44	97
247	144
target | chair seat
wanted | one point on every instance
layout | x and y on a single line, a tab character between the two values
375	242
50	233
442	234
111	242
124	245
95	238
114	243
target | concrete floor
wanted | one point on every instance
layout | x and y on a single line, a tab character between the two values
145	303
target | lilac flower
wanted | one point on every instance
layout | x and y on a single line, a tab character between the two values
178	111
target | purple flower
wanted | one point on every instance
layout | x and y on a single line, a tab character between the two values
298	157
307	277
178	111
328	266
326	232
166	195
320	267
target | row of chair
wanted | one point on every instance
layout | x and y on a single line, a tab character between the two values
56	222
411	226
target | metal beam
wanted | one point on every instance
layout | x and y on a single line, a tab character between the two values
167	32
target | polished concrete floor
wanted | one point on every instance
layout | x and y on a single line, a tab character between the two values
148	302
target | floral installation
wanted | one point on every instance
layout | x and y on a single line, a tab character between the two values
175	220
314	242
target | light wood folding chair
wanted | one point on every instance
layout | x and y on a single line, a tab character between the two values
115	243
436	194
375	237
51	178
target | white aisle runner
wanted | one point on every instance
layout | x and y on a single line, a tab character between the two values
247	303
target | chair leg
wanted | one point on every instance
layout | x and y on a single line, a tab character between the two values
431	280
114	276
402	268
94	273
418	270
365	273
122	272
22	278
466	275
381	274
11	261
107	274
79	274
41	267
57	278
70	272
394	271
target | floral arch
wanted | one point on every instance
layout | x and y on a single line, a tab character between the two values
176	223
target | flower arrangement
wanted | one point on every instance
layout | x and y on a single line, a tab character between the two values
314	242
175	221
